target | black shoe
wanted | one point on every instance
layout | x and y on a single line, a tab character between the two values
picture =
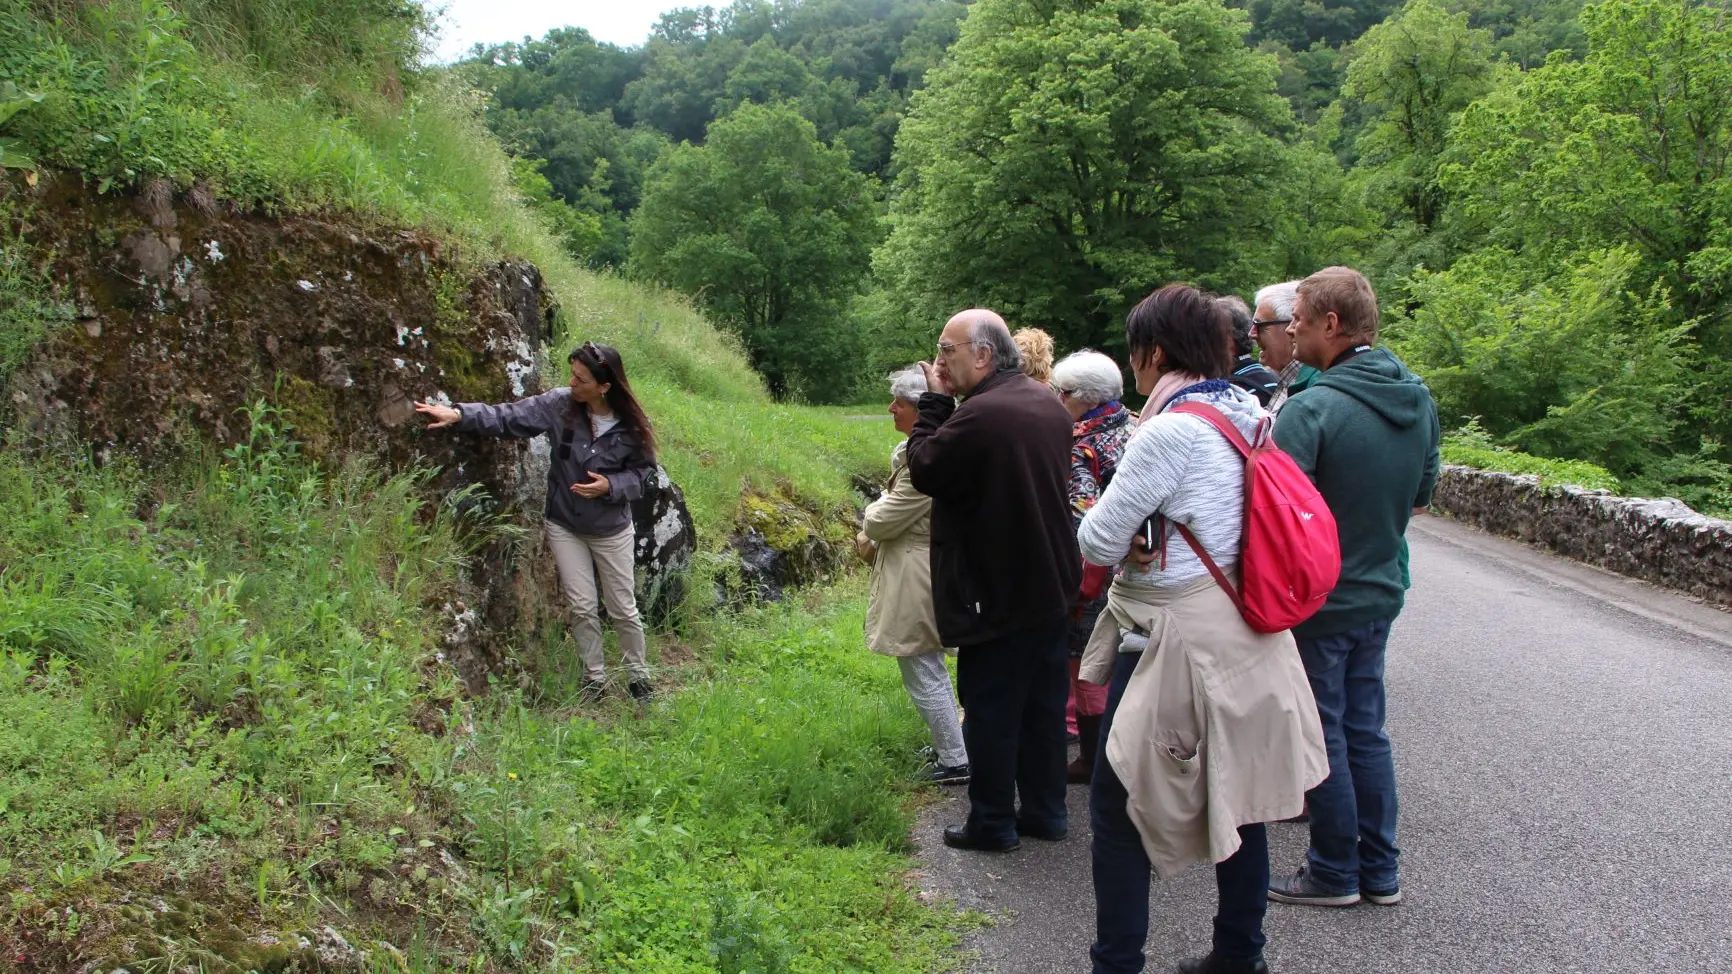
1382	897
959	837
942	775
1213	964
1043	833
641	689
592	692
1302	888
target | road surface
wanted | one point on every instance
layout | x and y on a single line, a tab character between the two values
1563	744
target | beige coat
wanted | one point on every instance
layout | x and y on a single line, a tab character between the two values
899	619
1217	727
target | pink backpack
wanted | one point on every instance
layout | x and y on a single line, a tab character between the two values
1289	553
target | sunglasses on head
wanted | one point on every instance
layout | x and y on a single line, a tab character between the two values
590	354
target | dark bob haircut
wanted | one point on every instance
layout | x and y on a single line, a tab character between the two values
1189	325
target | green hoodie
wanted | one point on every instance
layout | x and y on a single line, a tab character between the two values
1366	433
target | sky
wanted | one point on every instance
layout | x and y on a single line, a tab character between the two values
467	22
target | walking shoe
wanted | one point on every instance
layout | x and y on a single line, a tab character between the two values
960	837
1044	833
1303	889
592	691
942	775
1214	964
1382	897
641	689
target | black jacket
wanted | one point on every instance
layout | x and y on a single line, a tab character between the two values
1256	378
616	454
1004	553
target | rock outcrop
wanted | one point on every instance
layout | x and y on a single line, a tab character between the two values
185	315
1660	541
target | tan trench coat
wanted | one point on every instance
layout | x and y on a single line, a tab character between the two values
1217	727
899	617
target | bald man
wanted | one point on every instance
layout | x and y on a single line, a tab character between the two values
1005	568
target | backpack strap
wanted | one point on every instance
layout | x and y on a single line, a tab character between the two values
1204	411
1221	578
1214	417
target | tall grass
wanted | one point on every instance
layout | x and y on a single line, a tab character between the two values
229	689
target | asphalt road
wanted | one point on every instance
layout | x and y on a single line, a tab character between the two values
1563	743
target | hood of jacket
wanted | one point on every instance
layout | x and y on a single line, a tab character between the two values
1382	382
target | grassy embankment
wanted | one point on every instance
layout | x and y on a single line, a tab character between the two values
228	726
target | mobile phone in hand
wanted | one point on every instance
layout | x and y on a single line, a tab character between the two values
1149	534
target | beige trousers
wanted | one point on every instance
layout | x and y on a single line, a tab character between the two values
582	559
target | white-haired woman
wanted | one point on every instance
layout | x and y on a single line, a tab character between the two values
1090	386
895	536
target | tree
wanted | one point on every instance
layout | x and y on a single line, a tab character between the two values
769	230
1069	157
1416	71
1628	147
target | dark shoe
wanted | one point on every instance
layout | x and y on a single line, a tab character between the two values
942	775
1082	770
1382	897
959	837
1302	888
1043	833
592	692
1223	965
641	689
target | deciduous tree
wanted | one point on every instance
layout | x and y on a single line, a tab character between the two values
770	231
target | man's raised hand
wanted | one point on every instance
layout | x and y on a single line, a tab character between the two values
936	380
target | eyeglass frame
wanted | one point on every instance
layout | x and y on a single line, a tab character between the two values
1270	323
946	350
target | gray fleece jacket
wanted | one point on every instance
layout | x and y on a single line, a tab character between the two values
618	454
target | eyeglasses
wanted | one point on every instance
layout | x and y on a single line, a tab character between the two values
1062	392
944	349
1272	322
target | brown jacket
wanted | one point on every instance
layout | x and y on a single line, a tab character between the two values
1004	554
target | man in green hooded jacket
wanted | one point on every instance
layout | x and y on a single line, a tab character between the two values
1366	432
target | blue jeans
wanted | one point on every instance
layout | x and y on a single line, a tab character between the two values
1353	811
1121	869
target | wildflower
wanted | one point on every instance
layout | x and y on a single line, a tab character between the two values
512	775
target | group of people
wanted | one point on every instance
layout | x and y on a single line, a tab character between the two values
1067	550
1029	524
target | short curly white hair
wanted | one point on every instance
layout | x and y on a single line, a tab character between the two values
907	384
1090	377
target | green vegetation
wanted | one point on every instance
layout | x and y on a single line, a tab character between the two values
770	230
232	703
1471	446
1064	156
229	726
1484	161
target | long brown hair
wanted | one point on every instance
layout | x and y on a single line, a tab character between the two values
607	368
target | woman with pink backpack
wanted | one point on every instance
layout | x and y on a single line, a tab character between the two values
1210	728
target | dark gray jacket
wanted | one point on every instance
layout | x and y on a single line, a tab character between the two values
617	454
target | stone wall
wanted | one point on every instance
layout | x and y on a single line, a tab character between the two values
1659	541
